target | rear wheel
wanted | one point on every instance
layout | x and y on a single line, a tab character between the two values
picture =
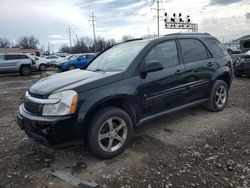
237	73
42	67
25	70
109	132
219	96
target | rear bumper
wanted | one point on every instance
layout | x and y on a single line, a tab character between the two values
50	131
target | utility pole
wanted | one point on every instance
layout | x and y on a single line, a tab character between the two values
93	24
158	9
70	33
148	31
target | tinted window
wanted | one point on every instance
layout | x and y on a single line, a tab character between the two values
23	57
81	57
193	50
216	48
90	56
10	57
165	53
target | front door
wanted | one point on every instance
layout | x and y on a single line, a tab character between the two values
163	89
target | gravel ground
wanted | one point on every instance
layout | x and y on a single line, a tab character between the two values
191	148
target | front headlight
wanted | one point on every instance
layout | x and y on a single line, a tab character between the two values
66	105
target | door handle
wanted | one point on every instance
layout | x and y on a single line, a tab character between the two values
210	64
178	72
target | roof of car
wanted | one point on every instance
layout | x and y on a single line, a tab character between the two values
172	35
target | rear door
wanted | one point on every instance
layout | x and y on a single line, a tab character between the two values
164	89
11	62
199	68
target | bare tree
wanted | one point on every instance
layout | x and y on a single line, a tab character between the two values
28	42
126	37
4	43
86	44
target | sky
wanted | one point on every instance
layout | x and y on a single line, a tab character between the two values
49	20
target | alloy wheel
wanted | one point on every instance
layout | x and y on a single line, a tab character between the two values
112	134
221	96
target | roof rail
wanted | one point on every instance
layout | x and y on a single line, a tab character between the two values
180	33
133	39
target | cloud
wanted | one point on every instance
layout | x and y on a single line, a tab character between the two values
248	15
224	2
55	36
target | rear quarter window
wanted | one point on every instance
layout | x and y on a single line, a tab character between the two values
216	48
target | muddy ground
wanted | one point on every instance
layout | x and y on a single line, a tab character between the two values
190	148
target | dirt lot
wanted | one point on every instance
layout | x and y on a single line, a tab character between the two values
190	148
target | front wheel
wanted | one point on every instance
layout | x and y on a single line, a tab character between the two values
25	70
219	96
109	132
42	67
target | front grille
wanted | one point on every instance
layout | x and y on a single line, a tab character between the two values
33	108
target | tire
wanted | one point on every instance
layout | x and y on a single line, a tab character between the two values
237	74
42	67
101	141
219	96
72	67
25	70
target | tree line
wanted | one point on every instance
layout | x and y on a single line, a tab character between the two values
86	45
81	45
26	42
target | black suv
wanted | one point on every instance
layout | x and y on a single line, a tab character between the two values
125	86
242	65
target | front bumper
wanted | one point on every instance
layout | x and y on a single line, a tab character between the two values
50	131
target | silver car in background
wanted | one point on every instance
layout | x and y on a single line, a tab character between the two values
21	63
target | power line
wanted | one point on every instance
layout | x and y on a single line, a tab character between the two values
93	24
158	9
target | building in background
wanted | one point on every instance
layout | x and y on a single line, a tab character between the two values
36	52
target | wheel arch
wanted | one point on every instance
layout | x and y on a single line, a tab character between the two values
120	101
223	74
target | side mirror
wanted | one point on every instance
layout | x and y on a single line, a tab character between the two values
152	66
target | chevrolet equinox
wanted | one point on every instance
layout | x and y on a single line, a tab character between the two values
125	86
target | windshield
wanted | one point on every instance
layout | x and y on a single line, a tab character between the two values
74	57
117	58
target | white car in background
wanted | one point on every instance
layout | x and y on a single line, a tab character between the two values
42	63
68	57
52	59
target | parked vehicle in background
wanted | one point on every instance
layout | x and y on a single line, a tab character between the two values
128	85
52	59
21	63
41	63
78	61
242	65
68	57
233	50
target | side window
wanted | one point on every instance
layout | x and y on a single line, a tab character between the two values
165	53
216	48
82	57
193	50
90	56
10	57
1	57
24	57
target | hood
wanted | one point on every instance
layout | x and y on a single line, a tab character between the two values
79	80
